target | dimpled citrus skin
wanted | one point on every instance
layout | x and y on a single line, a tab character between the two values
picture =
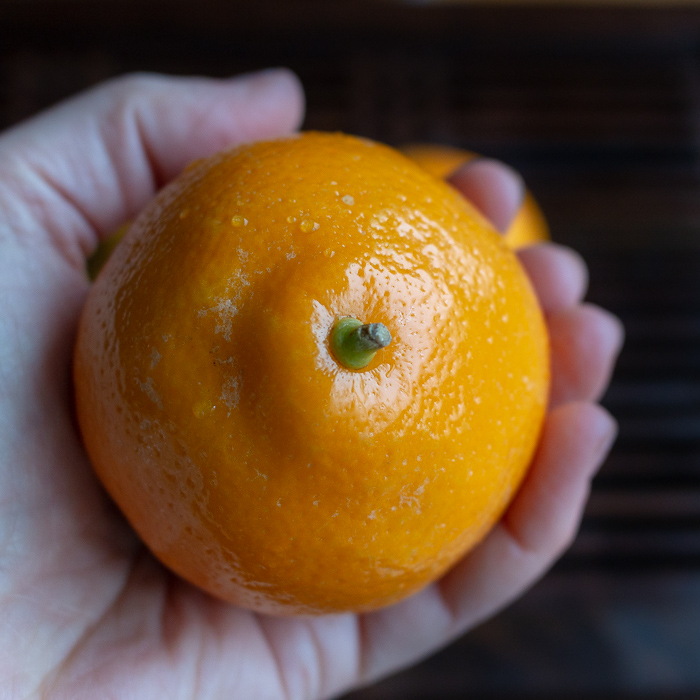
247	458
529	225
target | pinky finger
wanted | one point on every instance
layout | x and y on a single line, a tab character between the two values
542	520
539	524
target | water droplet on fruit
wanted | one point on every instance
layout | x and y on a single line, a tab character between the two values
307	225
238	221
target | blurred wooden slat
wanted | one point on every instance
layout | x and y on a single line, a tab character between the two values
491	23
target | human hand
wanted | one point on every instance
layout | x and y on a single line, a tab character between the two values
87	612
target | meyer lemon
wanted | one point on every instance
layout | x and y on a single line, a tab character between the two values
311	375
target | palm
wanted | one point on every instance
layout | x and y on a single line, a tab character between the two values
87	611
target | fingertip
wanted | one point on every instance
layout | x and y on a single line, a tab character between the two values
612	329
277	94
585	342
493	187
542	520
596	426
558	274
575	442
546	512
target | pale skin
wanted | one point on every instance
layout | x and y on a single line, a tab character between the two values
85	611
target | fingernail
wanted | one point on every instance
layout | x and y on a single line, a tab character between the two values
494	188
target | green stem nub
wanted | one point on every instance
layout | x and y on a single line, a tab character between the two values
354	343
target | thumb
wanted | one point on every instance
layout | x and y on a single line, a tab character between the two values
493	187
77	171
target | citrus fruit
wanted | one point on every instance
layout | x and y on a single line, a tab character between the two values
529	225
311	375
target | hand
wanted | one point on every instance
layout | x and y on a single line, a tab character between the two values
86	611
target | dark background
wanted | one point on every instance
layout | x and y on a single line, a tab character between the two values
599	108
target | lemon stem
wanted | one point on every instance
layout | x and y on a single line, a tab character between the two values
354	343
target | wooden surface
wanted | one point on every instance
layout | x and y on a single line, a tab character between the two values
600	110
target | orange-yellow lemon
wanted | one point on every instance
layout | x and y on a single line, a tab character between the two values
248	456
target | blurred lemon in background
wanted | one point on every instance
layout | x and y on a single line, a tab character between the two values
528	227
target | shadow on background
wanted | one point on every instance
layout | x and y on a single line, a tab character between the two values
599	109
